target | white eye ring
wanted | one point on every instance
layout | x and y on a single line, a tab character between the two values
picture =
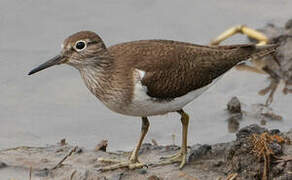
80	45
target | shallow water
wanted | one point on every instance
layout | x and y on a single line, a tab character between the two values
54	104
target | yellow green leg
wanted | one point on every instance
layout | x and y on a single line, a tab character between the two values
254	34
180	156
132	162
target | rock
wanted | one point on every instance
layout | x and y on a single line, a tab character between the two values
276	148
79	150
102	146
148	147
171	148
278	169
62	142
274	131
42	173
2	165
153	177
142	171
218	163
198	150
250	165
233	106
251	129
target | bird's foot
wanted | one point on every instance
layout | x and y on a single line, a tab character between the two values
178	157
130	164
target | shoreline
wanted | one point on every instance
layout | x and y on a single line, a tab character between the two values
233	159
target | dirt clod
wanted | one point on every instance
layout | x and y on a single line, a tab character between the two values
252	153
42	173
102	146
153	177
198	151
142	171
2	165
62	142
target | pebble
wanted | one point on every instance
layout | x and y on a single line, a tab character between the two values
234	106
153	177
141	171
2	165
251	129
274	131
42	172
198	150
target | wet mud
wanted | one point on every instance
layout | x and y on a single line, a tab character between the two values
257	153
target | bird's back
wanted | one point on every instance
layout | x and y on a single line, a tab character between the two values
173	68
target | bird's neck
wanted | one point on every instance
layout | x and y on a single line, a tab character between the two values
97	76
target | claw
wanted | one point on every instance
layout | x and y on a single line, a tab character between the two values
120	164
178	157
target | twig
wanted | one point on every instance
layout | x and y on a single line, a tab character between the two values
70	153
30	172
232	176
188	177
73	173
283	159
266	167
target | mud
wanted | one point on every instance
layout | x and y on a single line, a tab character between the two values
236	159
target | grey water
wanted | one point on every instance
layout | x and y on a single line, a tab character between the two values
55	104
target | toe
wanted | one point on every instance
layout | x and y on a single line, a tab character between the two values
120	164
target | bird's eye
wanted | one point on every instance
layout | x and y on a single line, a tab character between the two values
80	45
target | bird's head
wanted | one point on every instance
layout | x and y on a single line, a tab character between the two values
80	49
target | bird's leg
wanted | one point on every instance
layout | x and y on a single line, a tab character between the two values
254	34
180	156
144	130
132	162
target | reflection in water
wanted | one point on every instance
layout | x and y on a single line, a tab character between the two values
278	67
233	123
260	112
234	109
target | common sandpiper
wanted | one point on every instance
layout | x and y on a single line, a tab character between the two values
149	77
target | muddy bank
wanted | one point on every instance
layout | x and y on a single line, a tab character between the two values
256	153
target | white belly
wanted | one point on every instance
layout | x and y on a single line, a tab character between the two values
144	105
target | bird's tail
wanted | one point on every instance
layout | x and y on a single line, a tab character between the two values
264	50
252	51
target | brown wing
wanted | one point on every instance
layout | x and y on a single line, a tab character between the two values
175	68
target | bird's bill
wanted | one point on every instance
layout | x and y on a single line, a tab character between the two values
59	59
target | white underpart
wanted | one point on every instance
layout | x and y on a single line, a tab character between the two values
144	105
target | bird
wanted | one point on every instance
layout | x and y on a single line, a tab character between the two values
149	77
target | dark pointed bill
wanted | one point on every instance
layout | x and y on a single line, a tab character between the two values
54	61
